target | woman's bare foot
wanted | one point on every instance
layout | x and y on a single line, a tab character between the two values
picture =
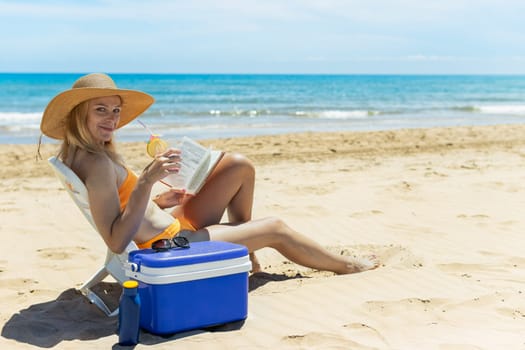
355	265
256	266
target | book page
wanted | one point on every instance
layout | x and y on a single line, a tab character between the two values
192	157
199	176
199	179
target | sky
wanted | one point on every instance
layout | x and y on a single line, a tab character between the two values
264	36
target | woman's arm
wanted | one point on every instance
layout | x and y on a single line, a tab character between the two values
118	228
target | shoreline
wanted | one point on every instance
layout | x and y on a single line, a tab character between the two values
274	148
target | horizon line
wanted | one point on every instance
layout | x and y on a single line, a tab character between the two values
247	73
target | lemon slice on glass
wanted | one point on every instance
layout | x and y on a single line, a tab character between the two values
156	145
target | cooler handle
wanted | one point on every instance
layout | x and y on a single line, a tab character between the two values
133	267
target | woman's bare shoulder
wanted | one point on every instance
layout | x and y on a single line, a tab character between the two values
88	165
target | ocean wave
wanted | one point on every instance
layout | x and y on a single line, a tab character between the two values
511	110
503	109
337	114
16	117
254	113
236	113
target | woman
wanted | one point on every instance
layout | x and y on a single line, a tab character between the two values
85	118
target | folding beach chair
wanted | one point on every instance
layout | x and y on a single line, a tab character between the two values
114	264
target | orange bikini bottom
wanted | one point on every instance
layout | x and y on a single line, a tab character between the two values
170	232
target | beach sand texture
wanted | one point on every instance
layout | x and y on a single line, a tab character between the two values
441	208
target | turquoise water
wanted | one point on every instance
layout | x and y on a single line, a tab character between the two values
208	106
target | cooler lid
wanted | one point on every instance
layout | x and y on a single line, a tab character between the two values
198	252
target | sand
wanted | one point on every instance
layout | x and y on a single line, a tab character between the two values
441	208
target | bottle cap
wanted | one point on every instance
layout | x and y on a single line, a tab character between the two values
130	284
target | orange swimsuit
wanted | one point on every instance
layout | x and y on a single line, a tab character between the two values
124	192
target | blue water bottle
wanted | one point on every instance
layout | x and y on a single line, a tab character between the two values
129	314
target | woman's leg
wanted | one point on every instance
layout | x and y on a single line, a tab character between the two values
274	233
231	187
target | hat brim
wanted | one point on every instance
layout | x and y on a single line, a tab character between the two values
134	103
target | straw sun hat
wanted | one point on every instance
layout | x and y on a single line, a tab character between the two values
85	88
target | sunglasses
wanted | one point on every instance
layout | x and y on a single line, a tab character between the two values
165	244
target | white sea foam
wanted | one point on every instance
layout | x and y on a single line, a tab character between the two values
503	109
338	114
18	117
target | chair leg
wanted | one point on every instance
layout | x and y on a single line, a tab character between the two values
95	299
85	289
96	278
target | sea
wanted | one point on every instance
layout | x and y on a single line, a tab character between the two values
203	106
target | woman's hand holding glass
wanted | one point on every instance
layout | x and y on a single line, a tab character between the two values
162	165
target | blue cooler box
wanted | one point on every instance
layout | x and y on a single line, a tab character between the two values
182	289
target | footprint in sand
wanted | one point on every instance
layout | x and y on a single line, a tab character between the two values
469	165
318	209
399	256
496	304
18	284
403	306
404	186
390	255
509	223
475	216
317	190
10	210
403	189
501	261
368	334
362	214
64	253
434	173
9	206
278	207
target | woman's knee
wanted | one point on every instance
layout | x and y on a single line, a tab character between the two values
280	235
277	227
240	163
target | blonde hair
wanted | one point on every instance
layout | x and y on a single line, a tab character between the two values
77	135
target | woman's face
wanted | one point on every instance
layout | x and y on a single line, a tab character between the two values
103	117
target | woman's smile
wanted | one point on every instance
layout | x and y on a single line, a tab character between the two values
103	117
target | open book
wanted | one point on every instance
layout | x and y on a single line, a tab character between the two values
197	162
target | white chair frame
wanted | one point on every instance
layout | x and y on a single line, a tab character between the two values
114	264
